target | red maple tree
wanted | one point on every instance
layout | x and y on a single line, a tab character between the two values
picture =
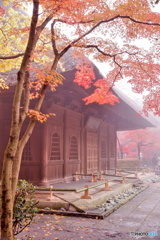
141	143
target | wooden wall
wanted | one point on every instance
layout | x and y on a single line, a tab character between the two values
71	141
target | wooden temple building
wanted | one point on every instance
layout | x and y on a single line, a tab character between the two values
79	138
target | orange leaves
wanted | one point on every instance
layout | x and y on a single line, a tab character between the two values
44	76
102	94
133	8
2	11
85	77
153	17
68	10
85	74
152	102
107	26
38	116
102	97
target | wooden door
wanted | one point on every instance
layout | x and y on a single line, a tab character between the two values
104	155
92	152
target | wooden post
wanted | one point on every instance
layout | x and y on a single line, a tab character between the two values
124	180
107	188
118	173
93	178
136	174
76	177
86	193
100	176
51	194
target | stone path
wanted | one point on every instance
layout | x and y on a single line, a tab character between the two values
139	216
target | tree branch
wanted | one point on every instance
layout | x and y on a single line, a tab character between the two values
33	121
140	65
12	57
111	56
107	21
4	34
26	98
97	25
137	21
53	38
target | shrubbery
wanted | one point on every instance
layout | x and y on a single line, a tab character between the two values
24	206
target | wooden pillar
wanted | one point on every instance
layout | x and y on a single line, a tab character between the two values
44	156
82	146
85	153
108	147
65	144
99	148
115	149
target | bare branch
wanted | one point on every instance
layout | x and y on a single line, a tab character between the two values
107	21
111	56
44	43
45	22
139	22
74	23
53	38
12	57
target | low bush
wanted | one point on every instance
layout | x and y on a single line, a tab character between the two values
24	206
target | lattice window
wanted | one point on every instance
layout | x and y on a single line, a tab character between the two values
26	156
103	150
73	155
55	147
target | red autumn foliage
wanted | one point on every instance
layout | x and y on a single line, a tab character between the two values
142	143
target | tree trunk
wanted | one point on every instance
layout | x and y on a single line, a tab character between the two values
139	152
7	201
120	148
7	196
11	149
14	149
